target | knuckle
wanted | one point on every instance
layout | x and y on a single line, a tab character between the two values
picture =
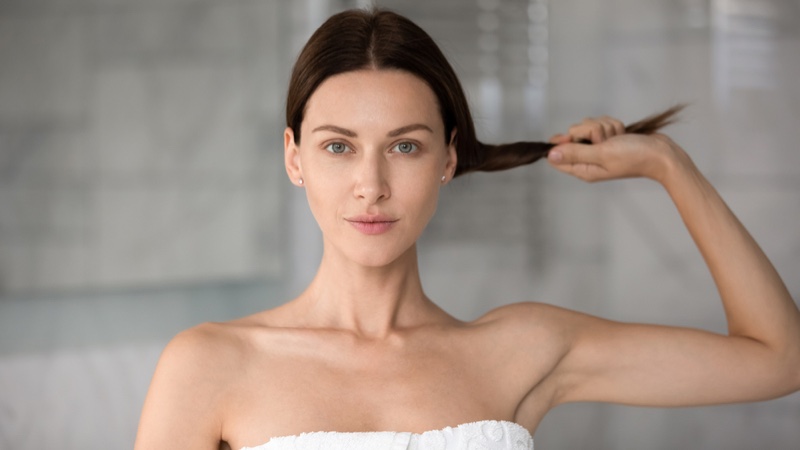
599	132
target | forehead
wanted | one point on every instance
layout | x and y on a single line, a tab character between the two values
384	99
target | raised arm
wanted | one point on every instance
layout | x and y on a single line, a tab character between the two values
666	366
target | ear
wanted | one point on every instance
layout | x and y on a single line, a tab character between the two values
452	157
291	157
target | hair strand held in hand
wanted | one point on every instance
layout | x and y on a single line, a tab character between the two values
508	156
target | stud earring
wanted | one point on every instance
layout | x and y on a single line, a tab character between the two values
444	177
300	181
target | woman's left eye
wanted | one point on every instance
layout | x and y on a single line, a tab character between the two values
406	147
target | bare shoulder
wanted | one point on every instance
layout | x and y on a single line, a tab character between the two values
538	332
230	342
554	331
186	398
205	350
550	327
532	315
533	339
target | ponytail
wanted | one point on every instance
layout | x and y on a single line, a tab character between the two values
508	156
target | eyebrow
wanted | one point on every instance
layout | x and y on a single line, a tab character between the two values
335	129
408	129
393	133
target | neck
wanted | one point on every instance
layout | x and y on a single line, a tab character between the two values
371	302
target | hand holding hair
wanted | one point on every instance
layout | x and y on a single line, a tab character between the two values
573	160
603	148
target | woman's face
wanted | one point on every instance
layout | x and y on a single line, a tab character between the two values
372	155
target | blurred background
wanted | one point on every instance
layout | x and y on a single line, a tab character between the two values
142	188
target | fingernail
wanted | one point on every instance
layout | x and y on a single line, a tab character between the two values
555	156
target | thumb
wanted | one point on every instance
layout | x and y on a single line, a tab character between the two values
573	153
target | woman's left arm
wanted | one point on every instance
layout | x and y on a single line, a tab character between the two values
640	364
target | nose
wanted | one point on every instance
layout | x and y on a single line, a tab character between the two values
371	182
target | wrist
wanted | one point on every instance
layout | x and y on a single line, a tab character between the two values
674	163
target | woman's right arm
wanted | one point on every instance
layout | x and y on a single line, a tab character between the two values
183	405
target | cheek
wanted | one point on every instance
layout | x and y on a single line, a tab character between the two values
323	197
417	185
423	194
323	190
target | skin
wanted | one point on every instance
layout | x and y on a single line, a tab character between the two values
363	348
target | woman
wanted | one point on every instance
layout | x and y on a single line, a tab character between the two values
376	124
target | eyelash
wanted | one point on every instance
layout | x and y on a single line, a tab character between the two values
413	150
347	147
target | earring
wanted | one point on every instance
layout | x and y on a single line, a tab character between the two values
300	181
444	177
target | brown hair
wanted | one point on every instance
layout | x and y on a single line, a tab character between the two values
381	39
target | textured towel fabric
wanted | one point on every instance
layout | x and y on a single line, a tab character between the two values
483	435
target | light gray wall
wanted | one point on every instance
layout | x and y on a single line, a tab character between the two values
142	189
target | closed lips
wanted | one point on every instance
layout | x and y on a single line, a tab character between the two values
372	225
370	219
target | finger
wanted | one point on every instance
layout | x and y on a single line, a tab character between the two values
570	154
608	129
598	133
612	126
586	172
619	127
579	131
560	139
589	130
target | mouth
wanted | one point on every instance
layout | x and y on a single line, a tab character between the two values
372	224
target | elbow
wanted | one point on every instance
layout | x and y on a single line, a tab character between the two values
782	360
779	369
788	368
795	372
779	380
793	358
793	352
793	380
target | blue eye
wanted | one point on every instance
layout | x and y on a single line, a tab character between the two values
336	147
406	147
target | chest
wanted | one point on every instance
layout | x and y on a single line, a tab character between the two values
403	392
416	389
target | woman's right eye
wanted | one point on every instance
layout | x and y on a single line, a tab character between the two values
336	147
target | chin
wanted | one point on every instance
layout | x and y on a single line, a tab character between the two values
377	253
375	257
